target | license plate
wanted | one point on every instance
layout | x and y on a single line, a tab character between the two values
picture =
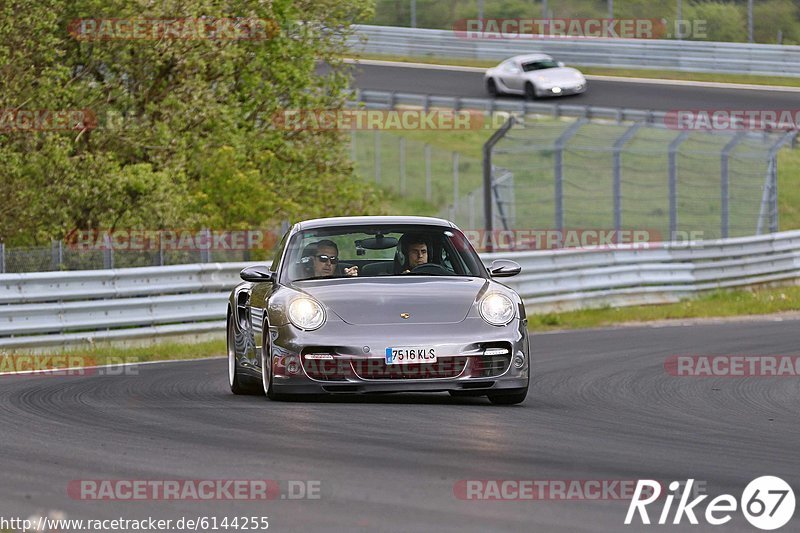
403	355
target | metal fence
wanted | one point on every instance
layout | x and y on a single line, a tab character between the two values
689	56
203	246
57	308
412	168
567	166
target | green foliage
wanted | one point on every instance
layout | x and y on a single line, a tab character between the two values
724	22
184	136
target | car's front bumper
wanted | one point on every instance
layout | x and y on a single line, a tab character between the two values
562	90
469	358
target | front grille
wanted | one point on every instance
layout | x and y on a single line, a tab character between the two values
445	367
326	369
489	366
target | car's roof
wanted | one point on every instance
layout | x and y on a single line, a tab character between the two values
530	57
358	221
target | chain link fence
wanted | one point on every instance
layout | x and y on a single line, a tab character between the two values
580	168
127	249
414	169
578	173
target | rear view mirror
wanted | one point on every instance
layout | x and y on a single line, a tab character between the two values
257	274
504	268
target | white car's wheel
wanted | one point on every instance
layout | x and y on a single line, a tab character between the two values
531	93
491	88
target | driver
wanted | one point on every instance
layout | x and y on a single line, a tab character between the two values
414	247
324	258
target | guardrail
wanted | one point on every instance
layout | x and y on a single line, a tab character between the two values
572	279
42	309
51	308
689	56
389	100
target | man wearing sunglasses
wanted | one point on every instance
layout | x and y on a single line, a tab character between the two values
324	259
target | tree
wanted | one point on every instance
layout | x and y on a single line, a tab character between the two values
184	136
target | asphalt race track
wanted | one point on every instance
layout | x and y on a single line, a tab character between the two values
601	407
632	95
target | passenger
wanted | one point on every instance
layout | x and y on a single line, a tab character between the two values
414	248
323	258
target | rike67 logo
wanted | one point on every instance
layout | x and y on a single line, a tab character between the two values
767	503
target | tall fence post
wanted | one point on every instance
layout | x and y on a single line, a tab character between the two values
673	183
402	166
377	156
353	152
629	133
559	170
487	176
455	180
2	258
54	255
769	196
205	252
428	172
724	185
108	251
472	210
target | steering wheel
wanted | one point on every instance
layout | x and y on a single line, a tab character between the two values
430	268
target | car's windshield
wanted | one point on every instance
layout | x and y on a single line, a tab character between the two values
379	250
539	65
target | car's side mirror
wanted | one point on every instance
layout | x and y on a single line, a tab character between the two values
504	268
257	274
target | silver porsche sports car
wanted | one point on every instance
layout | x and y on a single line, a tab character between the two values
534	76
378	305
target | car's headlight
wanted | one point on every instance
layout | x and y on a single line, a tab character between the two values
306	314
497	309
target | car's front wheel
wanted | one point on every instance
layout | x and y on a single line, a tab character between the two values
530	92
491	88
239	383
509	398
266	376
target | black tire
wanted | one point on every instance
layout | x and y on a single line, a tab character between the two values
491	87
240	384
530	92
509	398
266	376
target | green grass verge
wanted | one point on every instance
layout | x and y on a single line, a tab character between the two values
722	303
106	354
750	79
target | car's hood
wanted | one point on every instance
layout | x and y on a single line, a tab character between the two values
555	75
381	300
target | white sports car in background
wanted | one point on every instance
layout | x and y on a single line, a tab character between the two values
535	76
